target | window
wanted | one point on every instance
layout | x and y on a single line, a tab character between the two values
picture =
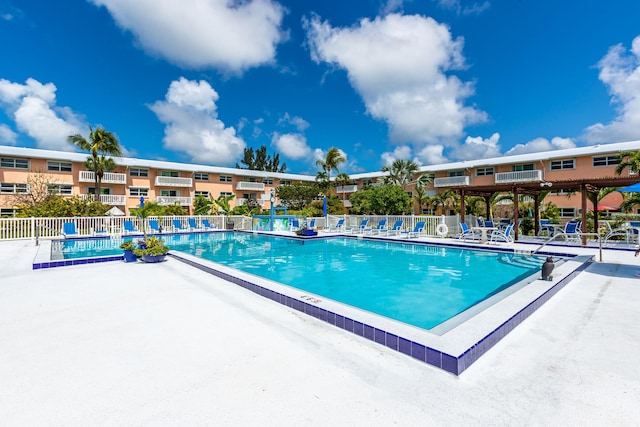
562	192
524	167
365	182
226	193
139	172
567	212
172	174
7	162
484	171
92	190
226	178
559	165
428	211
456	173
201	193
285	182
4	212
201	176
62	189
267	181
169	193
58	166
10	188
138	192
248	179
606	161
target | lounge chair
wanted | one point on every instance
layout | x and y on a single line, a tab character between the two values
312	224
360	228
417	230
207	225
128	228
572	230
467	233
615	234
488	223
154	226
393	231
338	227
177	226
69	229
500	235
545	228
381	225
295	225
193	225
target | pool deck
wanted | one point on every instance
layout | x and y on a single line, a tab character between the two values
167	344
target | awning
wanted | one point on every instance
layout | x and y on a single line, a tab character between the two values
635	188
115	211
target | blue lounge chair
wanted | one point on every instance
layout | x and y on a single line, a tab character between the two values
154	226
177	226
417	230
128	227
393	231
338	227
295	225
312	223
207	225
192	224
381	225
572	230
69	229
360	228
488	223
467	233
505	236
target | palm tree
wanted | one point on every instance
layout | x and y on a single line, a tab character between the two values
332	160
422	183
343	179
628	159
99	166
400	172
100	142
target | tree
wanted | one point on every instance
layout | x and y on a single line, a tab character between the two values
37	191
422	183
298	195
203	205
383	200
63	207
223	204
331	161
628	159
100	142
99	166
145	211
343	179
261	161
400	172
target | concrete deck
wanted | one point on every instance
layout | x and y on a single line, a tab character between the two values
165	344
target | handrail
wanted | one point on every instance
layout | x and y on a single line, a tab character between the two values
39	226
552	238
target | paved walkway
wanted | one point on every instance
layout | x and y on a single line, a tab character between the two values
134	344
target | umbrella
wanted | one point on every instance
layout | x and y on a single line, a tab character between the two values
115	211
607	208
635	188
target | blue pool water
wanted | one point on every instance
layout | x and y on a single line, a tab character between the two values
421	285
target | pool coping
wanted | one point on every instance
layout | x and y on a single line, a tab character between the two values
453	351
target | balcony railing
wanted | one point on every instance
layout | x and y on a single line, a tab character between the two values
173	181
107	178
108	199
172	200
452	181
519	176
347	189
241	201
250	186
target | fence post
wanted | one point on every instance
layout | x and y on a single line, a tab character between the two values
33	229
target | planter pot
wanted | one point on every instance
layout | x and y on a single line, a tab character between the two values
153	258
308	233
129	256
230	225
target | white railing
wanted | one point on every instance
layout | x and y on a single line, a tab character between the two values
250	186
107	178
172	200
452	181
409	222
240	201
173	181
347	189
108	199
519	176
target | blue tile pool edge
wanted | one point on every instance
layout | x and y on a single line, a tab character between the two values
431	356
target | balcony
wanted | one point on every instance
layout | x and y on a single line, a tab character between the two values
250	186
519	176
346	189
173	181
452	181
108	178
241	201
108	199
171	200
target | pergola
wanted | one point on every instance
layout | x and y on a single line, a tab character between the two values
534	188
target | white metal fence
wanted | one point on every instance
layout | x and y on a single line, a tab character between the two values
409	222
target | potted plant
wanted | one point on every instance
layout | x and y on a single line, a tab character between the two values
154	250
128	247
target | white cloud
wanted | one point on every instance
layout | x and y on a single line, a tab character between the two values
298	122
292	145
33	107
541	144
456	6
432	155
620	72
479	148
7	136
403	152
192	125
231	35
398	65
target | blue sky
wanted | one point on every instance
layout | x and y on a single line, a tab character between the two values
429	80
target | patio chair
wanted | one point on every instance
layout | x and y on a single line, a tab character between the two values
193	225
505	236
467	233
338	227
360	229
572	230
295	225
393	231
312	223
177	226
615	234
154	226
489	223
417	230
207	225
69	229
545	228
381	225
128	227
